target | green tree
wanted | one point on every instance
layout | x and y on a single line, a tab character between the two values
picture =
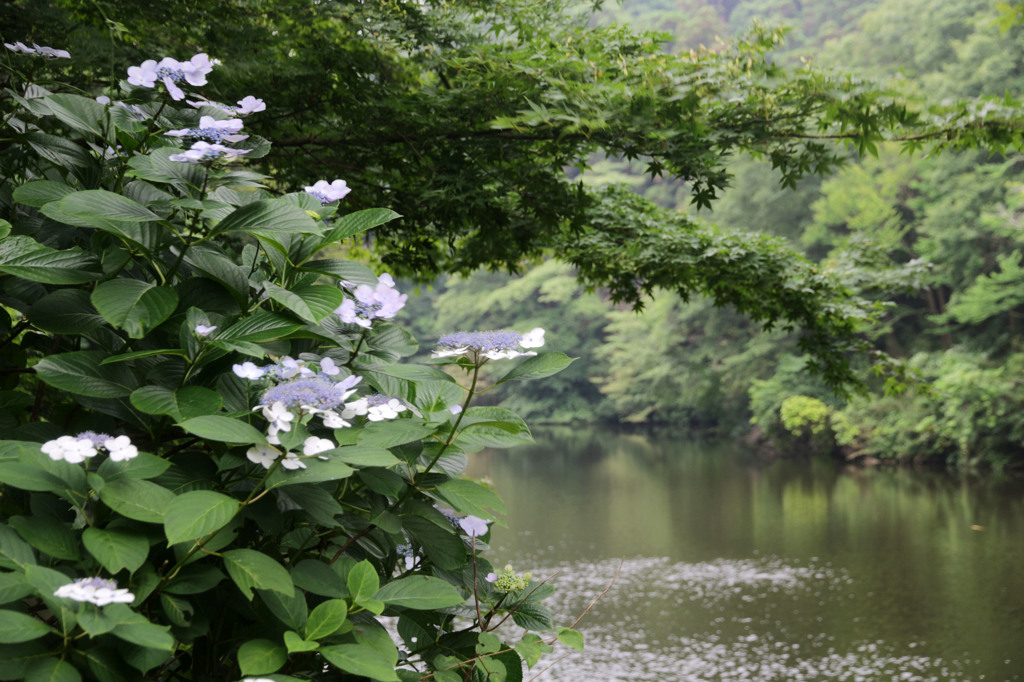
463	116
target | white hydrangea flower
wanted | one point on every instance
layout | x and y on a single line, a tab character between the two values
264	455
333	420
95	591
385	410
328	192
292	462
314	446
248	370
121	449
278	416
70	449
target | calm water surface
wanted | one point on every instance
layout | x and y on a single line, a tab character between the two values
734	569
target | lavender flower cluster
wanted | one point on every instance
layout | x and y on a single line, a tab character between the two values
492	345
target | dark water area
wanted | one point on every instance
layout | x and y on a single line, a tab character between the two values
732	568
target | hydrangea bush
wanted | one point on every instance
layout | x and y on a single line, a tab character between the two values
217	465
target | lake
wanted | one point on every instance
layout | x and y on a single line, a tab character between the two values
732	568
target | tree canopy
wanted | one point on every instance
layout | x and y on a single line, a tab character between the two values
465	116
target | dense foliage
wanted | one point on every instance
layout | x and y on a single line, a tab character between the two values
463	116
933	241
216	463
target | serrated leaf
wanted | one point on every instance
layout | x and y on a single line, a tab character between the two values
541	365
182	404
137	499
261	327
268	217
80	373
38	193
223	429
116	549
533	617
133	305
192	515
65	311
82	114
48	535
469	497
357	223
23	257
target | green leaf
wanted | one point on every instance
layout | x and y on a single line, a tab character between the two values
222	429
357	223
97	207
346	270
137	499
24	465
326	619
260	656
16	659
360	659
570	637
52	669
194	514
251	569
48	535
419	592
533	617
65	311
296	644
82	114
539	366
386	434
195	579
292	611
41	192
134	305
46	581
316	471
116	549
358	455
17	627
487	643
143	465
443	547
363	581
319	578
95	622
125	357
493	427
261	327
469	497
133	627
268	217
291	301
322	299
182	404
13	587
23	257
80	373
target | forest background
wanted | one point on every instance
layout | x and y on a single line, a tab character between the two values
937	239
423	112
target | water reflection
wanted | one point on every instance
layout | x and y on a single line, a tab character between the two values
740	570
